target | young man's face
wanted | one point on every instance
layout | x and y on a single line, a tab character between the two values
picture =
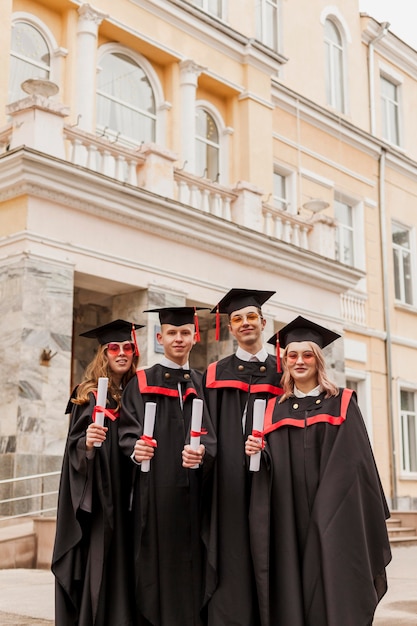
177	341
246	325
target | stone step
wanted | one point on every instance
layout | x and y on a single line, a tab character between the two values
404	541
18	546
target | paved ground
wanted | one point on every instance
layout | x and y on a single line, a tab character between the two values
27	596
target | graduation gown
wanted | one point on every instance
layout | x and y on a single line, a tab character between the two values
166	505
90	556
318	516
231	386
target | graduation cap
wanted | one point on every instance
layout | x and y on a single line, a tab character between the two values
302	329
236	299
179	315
118	330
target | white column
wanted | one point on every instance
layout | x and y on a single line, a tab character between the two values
87	31
189	73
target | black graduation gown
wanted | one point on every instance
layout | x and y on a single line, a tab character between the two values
318	516
166	506
229	385
90	556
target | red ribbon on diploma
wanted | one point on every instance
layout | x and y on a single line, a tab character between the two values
259	435
198	433
149	440
110	413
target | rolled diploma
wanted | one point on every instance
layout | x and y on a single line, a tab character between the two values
196	418
148	426
258	424
101	401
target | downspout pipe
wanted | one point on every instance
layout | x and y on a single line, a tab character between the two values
387	320
383	29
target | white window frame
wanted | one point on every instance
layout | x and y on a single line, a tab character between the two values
358	252
364	391
403	432
262	20
333	14
205	6
289	202
395	79
160	105
56	53
224	133
412	252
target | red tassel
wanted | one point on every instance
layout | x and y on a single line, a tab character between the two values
197	327
278	353
135	341
217	324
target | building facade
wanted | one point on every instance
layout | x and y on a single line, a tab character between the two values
159	152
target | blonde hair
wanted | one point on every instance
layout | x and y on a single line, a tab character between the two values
287	381
99	367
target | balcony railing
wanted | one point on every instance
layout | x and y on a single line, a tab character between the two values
204	194
284	226
353	308
103	156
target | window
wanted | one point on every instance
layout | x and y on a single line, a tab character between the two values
267	23
30	58
334	56
215	7
280	191
390	111
344	233
408	431
401	246
207	146
125	100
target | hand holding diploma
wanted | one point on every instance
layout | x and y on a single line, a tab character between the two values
254	442
99	415
144	448
192	454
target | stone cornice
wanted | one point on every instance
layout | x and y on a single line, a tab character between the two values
26	172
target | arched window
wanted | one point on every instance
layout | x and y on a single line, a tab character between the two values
125	100
207	146
30	58
335	89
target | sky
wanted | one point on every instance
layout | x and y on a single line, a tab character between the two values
401	14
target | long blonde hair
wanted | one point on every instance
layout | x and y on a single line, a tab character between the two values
99	367
287	381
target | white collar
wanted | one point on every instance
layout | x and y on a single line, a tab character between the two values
174	366
313	392
243	355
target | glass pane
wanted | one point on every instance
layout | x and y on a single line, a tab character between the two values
397	274
271	26
125	100
388	89
408	291
407	400
343	213
331	33
401	236
29	43
412	442
30	58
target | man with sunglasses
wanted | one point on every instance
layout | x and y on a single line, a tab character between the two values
231	386
168	548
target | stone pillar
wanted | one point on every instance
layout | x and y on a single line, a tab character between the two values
189	73
322	238
247	208
31	116
157	172
86	68
36	298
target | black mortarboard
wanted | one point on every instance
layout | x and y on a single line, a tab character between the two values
240	298
118	330
179	315
302	329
